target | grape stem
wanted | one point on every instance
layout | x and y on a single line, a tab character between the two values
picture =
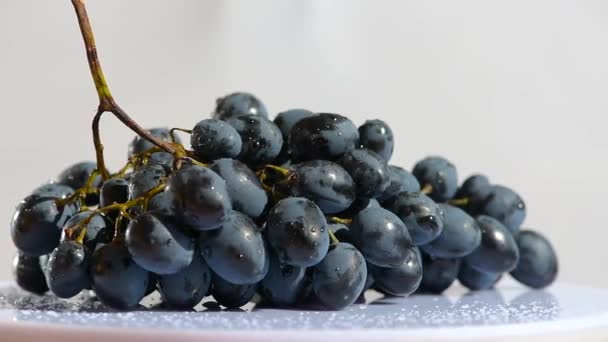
427	189
345	221
334	239
172	132
460	202
106	100
120	207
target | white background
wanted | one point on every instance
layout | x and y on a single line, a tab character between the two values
514	89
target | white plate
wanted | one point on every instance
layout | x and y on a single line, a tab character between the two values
509	311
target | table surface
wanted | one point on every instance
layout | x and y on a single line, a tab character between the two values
508	311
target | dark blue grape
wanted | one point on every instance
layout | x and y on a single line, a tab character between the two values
497	252
285	121
377	136
476	280
238	104
146	179
37	223
401	280
118	281
54	190
400	181
77	175
339	278
243	186
213	139
289	118
297	232
285	285
381	237
421	215
440	174
438	273
157	244
323	136
369	171
323	182
476	186
141	145
28	272
230	295
199	197
341	232
537	266
503	204
68	269
98	230
114	190
262	139
186	288
236	251
460	235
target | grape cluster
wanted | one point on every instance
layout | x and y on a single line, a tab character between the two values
303	209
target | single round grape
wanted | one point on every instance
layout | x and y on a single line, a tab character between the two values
289	118
199	197
285	285
297	232
323	182
438	273
243	186
236	251
77	175
157	244
503	204
400	181
537	266
28	272
285	121
440	174
339	278
140	145
324	136
68	269
497	252
186	288
146	179
360	204
118	281
262	139
475	280
213	139
475	186
341	232
460	235
230	295
54	190
402	280
98	230
381	237
377	136
421	215
114	190
238	104
369	171
37	223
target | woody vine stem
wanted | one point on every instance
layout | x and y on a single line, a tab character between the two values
106	101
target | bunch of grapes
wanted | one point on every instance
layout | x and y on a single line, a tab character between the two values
303	209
